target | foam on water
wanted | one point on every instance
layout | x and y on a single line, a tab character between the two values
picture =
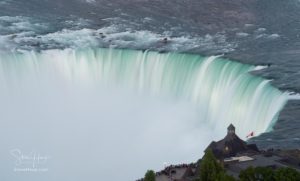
28	34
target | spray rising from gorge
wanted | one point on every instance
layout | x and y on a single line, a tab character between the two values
223	91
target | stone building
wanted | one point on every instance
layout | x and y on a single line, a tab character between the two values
231	145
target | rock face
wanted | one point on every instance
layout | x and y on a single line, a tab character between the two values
231	145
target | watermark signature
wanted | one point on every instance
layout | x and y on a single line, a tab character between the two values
29	162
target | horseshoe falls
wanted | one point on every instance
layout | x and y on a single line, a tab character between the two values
221	90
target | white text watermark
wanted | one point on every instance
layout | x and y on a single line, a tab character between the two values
29	162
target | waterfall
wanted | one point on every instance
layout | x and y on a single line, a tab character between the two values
224	91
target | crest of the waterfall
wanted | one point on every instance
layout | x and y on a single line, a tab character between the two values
224	91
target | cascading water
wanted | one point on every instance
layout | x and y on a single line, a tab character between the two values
224	91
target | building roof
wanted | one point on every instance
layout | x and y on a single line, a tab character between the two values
230	146
231	127
239	159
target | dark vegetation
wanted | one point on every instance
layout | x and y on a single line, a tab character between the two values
149	176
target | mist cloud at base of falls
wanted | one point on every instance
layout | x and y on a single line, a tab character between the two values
93	132
116	105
